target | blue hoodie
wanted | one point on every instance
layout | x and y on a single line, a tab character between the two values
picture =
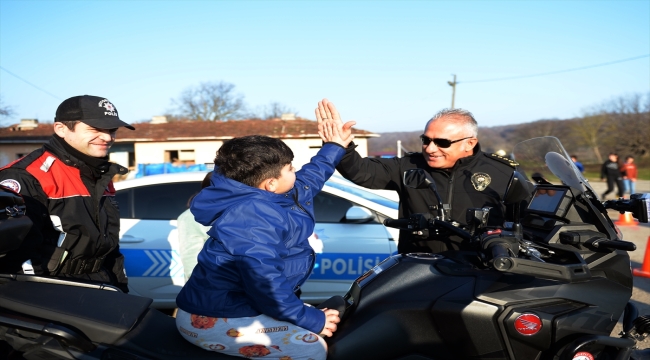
258	252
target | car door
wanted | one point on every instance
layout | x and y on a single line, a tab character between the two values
344	250
149	239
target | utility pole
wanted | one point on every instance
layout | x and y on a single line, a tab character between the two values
453	90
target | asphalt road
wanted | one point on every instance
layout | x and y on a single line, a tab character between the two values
640	235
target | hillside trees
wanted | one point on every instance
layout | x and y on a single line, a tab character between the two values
630	117
590	131
619	125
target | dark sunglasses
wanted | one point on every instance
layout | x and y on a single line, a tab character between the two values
441	143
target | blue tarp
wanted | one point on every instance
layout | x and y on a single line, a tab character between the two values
166	168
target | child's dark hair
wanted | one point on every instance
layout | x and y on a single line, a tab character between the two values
252	159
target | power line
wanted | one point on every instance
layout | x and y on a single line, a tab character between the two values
27	82
556	72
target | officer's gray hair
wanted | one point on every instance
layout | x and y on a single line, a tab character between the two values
459	116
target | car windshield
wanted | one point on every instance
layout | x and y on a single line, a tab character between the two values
365	194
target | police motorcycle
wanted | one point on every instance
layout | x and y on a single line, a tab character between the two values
549	284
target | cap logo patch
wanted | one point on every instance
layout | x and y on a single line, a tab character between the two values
110	109
480	181
11	184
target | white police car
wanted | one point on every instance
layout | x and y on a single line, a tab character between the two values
349	236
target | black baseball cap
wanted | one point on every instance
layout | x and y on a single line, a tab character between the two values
95	111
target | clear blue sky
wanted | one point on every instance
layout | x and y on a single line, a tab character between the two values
384	64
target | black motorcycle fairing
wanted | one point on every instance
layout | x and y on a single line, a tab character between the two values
103	316
395	307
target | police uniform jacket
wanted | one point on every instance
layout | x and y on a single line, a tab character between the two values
56	183
258	254
475	181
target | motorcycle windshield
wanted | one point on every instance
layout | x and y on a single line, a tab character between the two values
546	158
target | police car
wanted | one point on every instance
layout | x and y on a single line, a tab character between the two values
348	239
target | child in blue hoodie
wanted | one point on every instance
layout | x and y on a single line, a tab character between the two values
240	299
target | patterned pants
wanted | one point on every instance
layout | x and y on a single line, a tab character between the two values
251	337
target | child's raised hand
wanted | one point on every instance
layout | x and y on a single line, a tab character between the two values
326	113
331	319
331	132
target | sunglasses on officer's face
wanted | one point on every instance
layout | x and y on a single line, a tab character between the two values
441	143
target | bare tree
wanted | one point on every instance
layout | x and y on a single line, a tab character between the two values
630	115
590	130
211	101
5	110
274	110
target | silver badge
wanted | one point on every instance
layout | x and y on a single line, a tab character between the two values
480	181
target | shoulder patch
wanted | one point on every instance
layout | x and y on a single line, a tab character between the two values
503	159
11	184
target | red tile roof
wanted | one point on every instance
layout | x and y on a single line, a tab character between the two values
192	130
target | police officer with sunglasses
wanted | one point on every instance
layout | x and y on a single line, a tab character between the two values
465	176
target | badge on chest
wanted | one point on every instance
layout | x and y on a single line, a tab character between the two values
480	181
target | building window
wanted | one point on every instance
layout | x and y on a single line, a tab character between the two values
186	157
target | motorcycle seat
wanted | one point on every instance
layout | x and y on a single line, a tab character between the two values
103	316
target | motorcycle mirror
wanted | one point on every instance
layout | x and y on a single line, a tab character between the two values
564	169
637	204
517	190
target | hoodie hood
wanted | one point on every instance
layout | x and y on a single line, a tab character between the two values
209	204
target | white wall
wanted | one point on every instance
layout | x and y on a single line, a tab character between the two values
205	150
9	152
154	152
119	157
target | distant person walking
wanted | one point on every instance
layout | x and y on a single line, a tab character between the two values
577	163
629	172
610	171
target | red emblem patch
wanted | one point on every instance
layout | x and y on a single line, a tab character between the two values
11	184
528	324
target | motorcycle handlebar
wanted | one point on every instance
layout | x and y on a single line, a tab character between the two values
613	244
397	223
500	256
421	222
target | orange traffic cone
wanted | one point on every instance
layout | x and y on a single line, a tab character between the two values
645	267
626	219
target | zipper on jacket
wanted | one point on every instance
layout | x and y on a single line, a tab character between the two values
295	199
451	188
312	258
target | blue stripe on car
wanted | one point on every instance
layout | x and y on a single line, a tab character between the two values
329	266
344	266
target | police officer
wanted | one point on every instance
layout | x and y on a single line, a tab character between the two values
465	176
68	189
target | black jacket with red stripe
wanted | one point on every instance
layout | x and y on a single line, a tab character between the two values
56	184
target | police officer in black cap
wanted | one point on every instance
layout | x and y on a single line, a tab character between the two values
68	190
